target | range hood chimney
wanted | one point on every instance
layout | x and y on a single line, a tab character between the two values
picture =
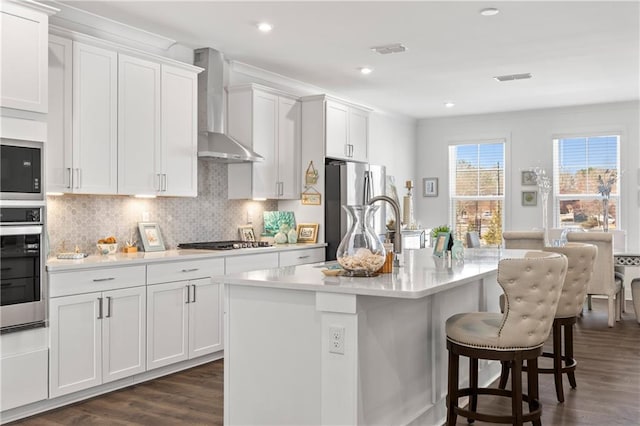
213	143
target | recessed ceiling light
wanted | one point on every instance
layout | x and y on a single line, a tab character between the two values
489	11
366	70
449	104
265	27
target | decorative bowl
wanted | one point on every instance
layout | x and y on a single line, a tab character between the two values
105	249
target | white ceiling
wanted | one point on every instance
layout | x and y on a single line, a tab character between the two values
578	52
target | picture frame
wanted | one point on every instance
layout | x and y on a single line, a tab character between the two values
528	178
307	232
246	233
311	198
430	187
150	236
529	198
441	244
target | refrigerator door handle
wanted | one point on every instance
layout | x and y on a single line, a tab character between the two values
368	188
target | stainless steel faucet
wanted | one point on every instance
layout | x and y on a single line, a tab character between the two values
397	240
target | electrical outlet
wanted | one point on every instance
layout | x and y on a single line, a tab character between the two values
145	216
336	340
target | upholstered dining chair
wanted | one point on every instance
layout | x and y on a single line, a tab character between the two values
528	240
580	261
532	287
473	239
604	281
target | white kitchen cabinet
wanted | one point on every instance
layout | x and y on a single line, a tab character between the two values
96	338
300	257
139	155
59	147
184	317
95	120
268	122
346	127
24	31
251	262
179	149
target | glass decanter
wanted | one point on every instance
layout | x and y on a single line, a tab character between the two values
361	253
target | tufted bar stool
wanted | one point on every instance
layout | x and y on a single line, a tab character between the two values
580	261
526	240
532	287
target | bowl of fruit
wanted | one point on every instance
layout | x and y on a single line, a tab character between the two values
107	245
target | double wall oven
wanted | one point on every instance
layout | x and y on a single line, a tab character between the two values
23	292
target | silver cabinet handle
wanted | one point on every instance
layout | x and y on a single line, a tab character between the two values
303	257
99	307
346	150
350	150
79	182
164	180
69	185
194	293
188	294
108	307
97	280
190	270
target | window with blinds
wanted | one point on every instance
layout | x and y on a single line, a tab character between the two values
579	166
477	190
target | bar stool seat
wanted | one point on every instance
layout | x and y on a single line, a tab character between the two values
532	286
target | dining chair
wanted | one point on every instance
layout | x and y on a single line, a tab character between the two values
604	280
528	240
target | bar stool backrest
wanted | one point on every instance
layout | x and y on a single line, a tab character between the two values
532	287
580	260
603	279
527	240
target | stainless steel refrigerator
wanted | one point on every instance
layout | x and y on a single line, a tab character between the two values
348	183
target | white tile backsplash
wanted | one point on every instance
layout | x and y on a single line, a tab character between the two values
83	219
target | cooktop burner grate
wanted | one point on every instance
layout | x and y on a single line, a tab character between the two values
223	245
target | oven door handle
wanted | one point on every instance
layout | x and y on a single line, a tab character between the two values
20	230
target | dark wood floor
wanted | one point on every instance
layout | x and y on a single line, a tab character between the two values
608	392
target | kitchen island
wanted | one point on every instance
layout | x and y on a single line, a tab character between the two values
305	348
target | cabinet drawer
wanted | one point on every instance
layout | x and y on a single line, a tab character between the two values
235	264
300	257
102	279
184	270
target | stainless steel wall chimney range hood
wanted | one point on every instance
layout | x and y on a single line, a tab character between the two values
213	143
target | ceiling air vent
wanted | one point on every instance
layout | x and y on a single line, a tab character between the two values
389	48
511	77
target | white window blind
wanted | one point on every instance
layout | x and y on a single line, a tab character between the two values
477	190
578	162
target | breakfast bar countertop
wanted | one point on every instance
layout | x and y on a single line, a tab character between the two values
124	259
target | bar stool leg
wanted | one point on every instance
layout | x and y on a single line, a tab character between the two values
557	360
452	397
473	384
532	385
516	389
504	375
568	353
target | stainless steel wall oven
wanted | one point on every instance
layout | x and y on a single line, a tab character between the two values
23	288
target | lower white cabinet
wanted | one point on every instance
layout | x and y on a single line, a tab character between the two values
96	338
184	321
300	257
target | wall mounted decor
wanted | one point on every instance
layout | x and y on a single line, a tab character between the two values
529	198
528	177
430	187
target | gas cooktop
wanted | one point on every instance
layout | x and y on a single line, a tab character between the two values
224	245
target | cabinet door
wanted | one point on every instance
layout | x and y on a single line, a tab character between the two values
138	126
95	120
205	317
76	341
359	134
23	61
337	133
59	142
123	333
289	132
167	324
265	138
179	132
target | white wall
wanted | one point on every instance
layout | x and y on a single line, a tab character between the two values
529	137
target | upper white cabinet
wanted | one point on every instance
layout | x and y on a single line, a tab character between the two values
23	45
268	122
120	123
94	168
346	127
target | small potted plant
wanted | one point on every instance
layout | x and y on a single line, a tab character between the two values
435	231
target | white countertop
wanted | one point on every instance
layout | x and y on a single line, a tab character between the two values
124	259
421	275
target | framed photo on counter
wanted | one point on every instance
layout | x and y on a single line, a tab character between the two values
246	233
150	236
307	232
441	244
